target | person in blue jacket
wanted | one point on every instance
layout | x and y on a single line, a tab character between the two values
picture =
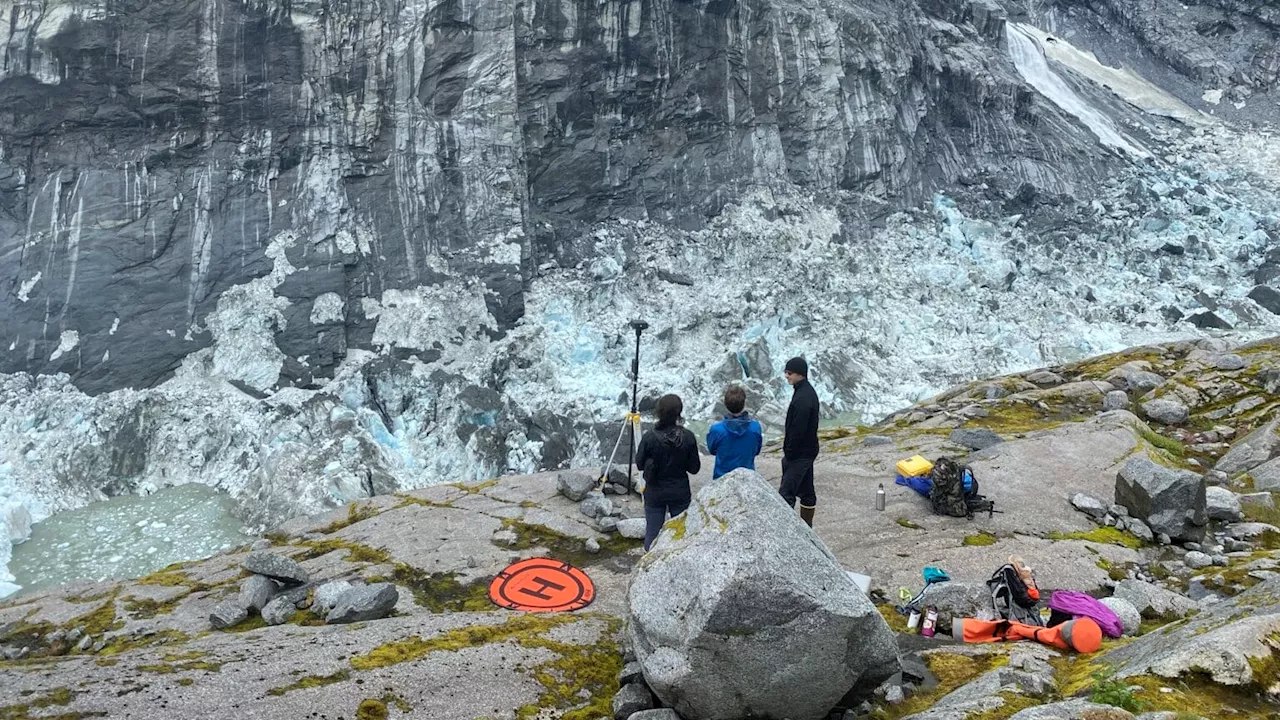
737	439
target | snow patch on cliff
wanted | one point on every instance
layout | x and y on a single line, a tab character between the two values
328	308
66	343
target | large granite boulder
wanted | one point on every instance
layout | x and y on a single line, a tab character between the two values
741	611
1170	501
575	484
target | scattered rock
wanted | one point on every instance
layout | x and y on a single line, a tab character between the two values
1170	501
592	546
1263	499
1089	505
1267	476
260	544
781	630
631	673
279	611
367	602
1164	539
327	596
276	567
1166	412
1116	400
1266	297
1118	510
874	440
1249	530
608	523
255	592
1197	560
1077	709
227	614
596	505
575	484
661	714
632	528
505	537
1153	600
1209	321
1140	530
975	438
1252	450
630	700
1044	378
1134	378
1191	545
1222	504
956	599
1129	616
1229	362
894	695
85	643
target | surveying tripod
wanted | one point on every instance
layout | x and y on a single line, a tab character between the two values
631	423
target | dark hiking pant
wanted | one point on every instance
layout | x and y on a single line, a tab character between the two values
797	482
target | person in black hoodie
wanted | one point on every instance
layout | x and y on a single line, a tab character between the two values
666	456
800	441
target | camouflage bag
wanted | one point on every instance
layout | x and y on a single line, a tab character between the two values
947	494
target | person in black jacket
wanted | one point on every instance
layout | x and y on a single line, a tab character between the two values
666	456
800	441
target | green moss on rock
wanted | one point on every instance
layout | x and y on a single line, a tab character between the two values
415	647
356	512
983	538
1102	536
311	681
355	551
371	709
441	592
562	547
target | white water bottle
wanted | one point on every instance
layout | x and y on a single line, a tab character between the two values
880	497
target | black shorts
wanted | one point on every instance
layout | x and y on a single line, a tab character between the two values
797	482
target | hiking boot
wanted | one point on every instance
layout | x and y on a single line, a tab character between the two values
806	514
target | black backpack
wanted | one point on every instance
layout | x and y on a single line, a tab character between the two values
1012	598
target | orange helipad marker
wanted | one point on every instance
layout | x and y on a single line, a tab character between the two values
542	585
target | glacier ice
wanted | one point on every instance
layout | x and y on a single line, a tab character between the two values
938	295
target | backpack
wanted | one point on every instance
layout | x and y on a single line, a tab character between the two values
947	494
1014	599
954	491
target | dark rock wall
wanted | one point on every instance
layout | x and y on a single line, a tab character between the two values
151	150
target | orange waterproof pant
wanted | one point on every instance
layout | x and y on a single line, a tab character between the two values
1082	634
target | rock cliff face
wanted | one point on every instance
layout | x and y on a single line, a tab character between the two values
151	152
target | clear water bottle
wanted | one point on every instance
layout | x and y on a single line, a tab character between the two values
880	497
